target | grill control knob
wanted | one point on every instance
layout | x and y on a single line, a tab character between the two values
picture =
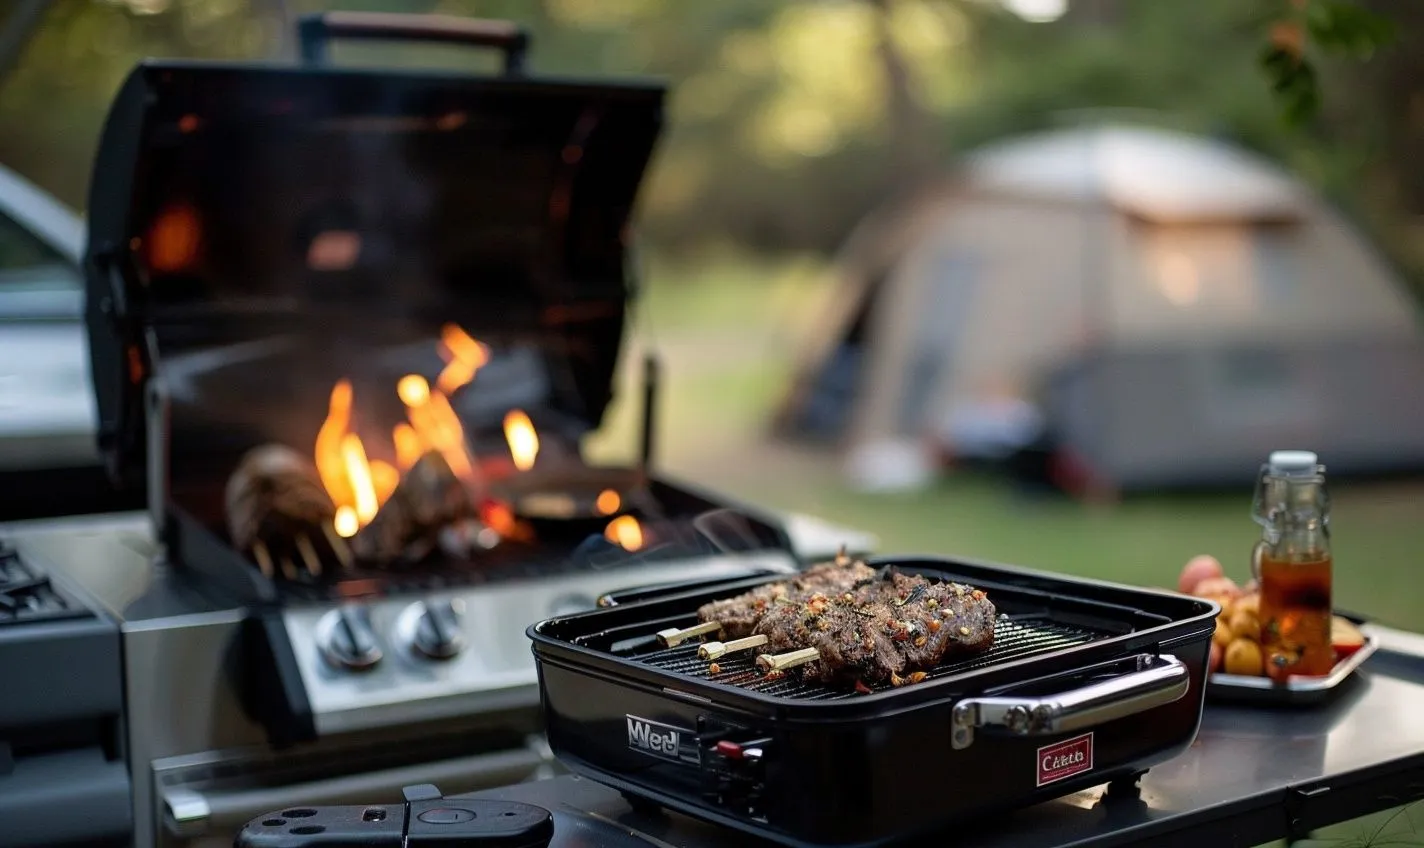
347	640
433	628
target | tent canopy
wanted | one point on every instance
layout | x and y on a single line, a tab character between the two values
1150	173
1057	247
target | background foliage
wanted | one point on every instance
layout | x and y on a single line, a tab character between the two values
791	119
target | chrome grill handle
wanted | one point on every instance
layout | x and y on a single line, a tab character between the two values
1156	681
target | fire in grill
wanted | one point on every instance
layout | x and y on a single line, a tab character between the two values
356	326
425	491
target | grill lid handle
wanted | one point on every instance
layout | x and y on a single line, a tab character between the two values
1156	681
314	31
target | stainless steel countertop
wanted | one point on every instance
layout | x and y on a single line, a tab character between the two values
1251	773
114	561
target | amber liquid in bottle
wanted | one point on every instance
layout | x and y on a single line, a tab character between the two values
1295	613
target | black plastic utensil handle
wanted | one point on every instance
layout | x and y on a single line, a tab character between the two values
315	31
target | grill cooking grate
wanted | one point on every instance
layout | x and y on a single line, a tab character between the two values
1015	638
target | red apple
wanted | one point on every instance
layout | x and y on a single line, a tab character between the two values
1197	570
1217	587
1345	637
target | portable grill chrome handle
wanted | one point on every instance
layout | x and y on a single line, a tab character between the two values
1157	680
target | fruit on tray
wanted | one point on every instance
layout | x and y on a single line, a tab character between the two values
1345	637
1236	644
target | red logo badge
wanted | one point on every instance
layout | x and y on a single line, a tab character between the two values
1065	759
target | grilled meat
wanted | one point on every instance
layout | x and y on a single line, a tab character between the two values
954	619
848	633
279	513
739	615
430	498
889	629
274	495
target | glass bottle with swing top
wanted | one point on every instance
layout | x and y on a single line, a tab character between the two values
1293	565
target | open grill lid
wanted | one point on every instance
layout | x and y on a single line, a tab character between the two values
346	211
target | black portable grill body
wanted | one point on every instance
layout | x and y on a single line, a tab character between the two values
1087	682
501	203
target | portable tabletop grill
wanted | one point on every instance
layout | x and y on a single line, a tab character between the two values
1084	683
353	327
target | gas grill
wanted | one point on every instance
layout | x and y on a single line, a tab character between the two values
1085	683
364	273
62	716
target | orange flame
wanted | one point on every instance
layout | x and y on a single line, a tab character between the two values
346	521
625	532
607	502
465	357
499	518
384	479
409	445
358	471
330	464
523	439
434	424
175	239
358	485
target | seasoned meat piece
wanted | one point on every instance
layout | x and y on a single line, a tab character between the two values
948	619
739	615
891	628
849	636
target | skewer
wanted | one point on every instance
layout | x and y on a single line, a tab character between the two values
338	545
713	650
264	559
673	637
308	554
790	659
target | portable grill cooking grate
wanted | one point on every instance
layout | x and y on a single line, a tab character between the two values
1086	683
1015	638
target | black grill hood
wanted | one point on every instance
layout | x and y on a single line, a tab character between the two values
258	232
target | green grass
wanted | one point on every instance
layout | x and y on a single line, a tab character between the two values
727	330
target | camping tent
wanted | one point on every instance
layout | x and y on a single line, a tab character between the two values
1167	308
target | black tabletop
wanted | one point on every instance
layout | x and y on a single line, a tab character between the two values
1255	774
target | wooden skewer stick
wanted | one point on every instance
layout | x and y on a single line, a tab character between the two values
308	554
781	662
338	545
713	650
264	559
673	637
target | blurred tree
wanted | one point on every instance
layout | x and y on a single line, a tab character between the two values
55	98
788	120
1336	27
16	27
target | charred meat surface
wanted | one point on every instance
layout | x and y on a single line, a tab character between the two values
739	615
429	498
895	629
849	634
948	620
